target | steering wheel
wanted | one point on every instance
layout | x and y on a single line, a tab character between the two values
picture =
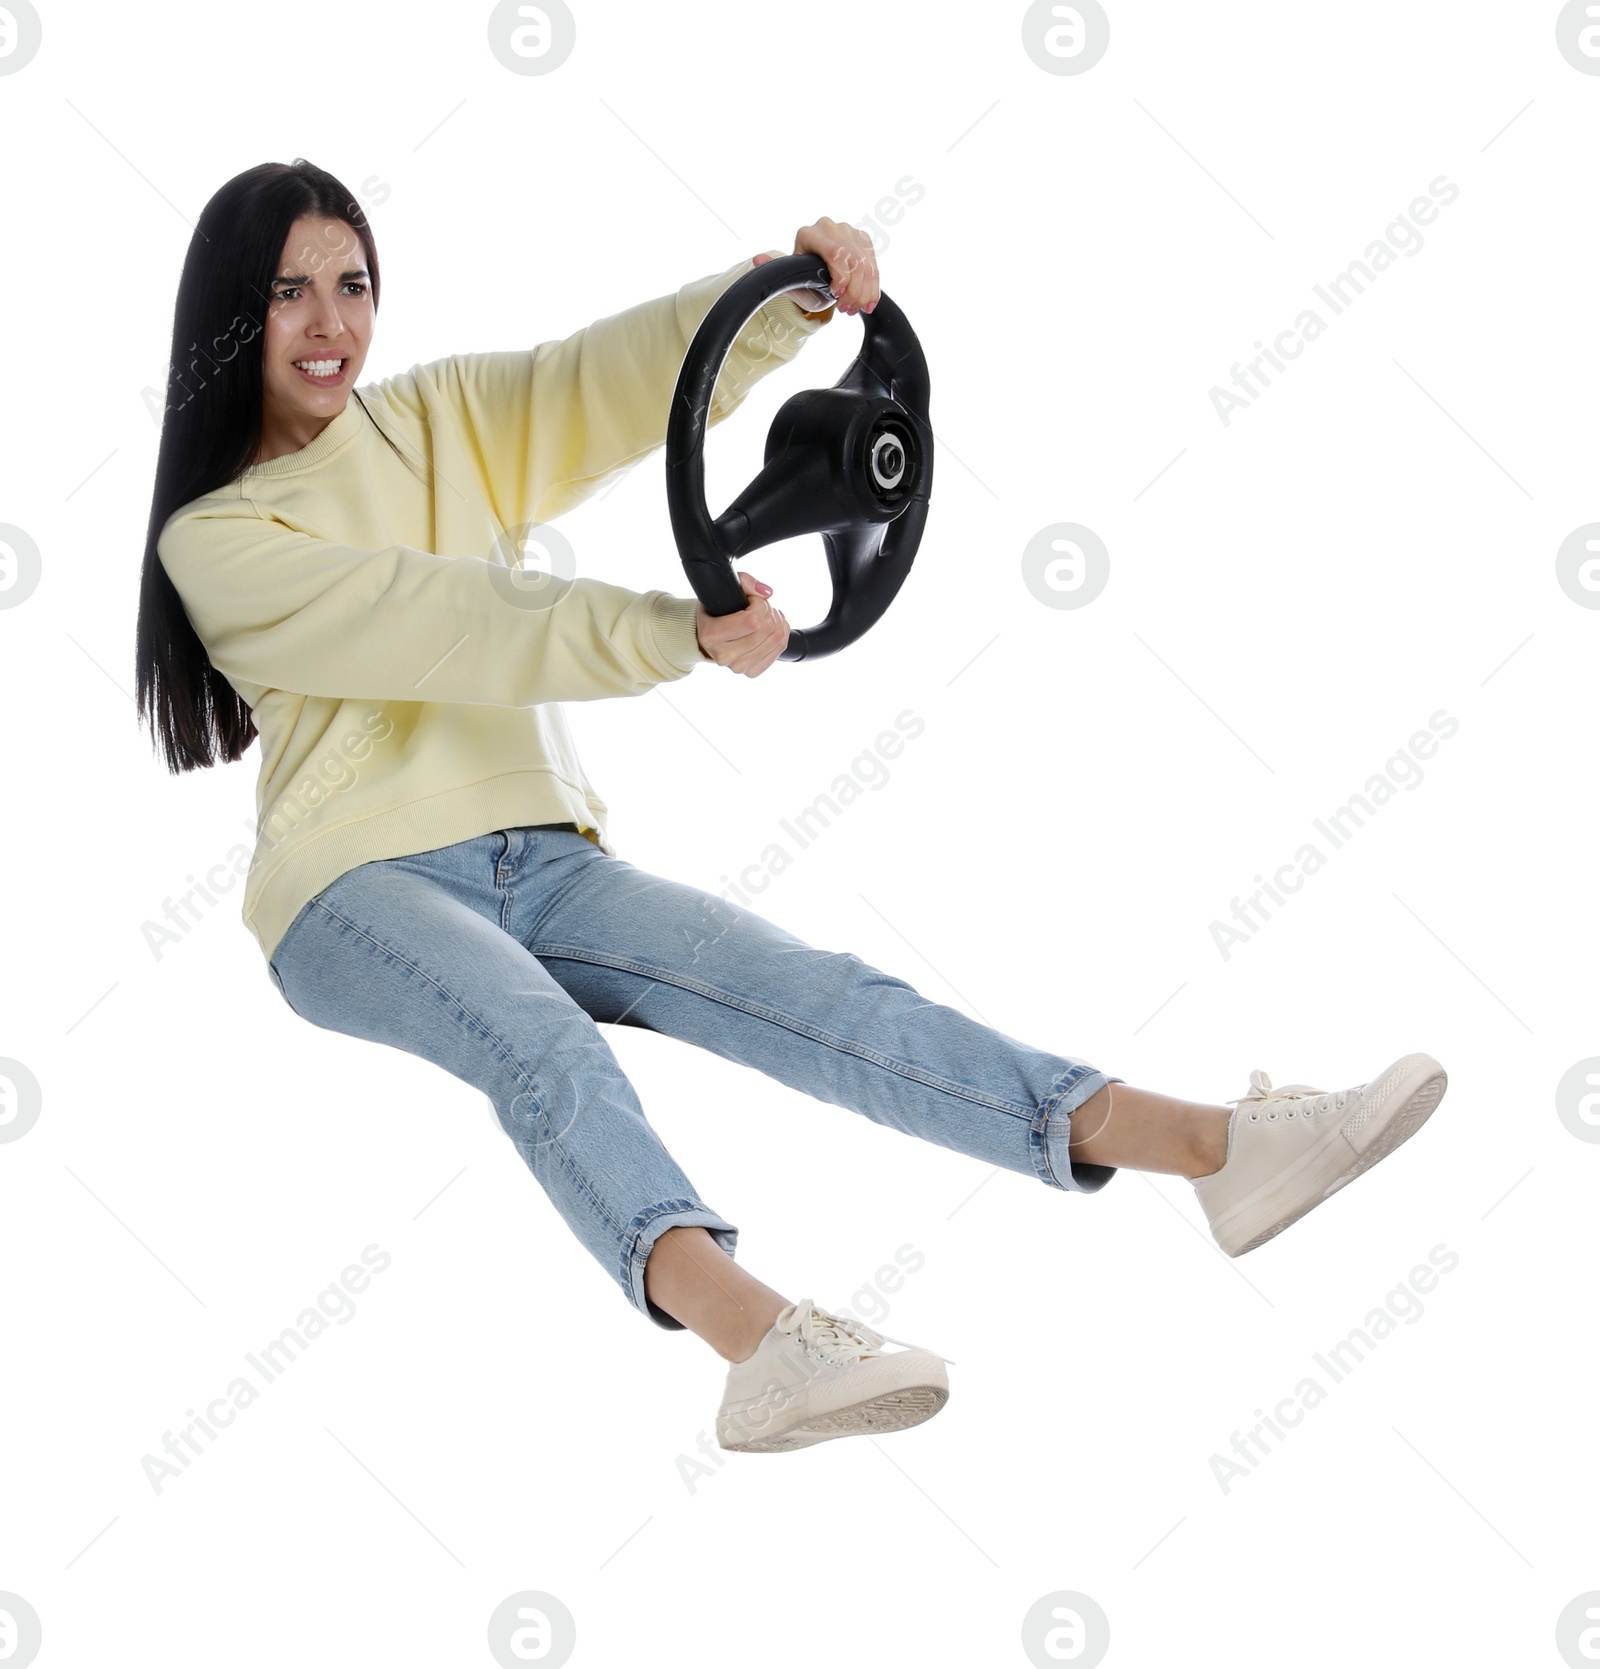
853	462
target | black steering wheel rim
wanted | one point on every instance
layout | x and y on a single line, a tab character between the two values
853	462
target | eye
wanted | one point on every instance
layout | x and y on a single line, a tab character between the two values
294	289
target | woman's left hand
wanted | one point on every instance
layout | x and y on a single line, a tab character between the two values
852	265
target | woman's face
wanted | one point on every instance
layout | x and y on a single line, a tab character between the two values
321	311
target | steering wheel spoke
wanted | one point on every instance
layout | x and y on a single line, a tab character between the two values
795	493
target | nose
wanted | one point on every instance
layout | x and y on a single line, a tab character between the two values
328	321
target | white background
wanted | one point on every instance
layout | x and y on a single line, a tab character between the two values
1372	542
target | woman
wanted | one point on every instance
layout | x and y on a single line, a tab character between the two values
338	570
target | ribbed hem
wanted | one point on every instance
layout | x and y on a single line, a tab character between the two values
284	879
790	298
672	625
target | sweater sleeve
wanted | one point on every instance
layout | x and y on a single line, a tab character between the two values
551	425
280	609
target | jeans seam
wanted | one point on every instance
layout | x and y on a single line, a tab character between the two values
507	1056
1040	1143
844	1045
1039	1139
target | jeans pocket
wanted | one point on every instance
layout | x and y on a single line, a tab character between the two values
277	979
283	944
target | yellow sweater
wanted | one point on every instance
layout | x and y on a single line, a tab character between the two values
406	695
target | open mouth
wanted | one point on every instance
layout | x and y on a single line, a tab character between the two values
323	372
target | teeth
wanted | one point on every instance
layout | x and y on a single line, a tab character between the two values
319	367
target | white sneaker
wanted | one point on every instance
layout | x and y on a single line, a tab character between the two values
817	1375
1290	1148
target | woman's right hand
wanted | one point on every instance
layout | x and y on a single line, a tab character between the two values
748	641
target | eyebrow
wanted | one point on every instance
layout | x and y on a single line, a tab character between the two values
304	278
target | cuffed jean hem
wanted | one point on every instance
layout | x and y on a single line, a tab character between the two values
1052	1131
646	1229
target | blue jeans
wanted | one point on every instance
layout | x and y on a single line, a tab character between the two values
495	957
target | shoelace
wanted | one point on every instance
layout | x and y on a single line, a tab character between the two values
838	1339
1304	1098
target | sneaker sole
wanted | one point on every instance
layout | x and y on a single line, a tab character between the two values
1390	1115
889	1411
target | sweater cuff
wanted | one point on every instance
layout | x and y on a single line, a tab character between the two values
788	305
672	623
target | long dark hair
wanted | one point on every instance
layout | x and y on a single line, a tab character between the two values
211	431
